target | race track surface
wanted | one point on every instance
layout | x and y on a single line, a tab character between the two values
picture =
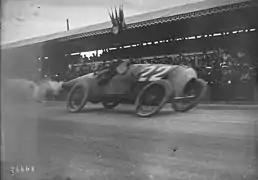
206	143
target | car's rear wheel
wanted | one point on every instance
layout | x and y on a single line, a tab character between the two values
77	98
152	98
110	104
194	91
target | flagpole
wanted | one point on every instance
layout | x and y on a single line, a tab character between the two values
67	25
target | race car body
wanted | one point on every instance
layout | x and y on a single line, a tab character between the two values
143	84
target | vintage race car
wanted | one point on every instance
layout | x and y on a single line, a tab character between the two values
148	86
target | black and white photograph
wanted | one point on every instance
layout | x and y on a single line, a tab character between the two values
129	89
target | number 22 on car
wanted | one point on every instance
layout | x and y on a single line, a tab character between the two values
153	72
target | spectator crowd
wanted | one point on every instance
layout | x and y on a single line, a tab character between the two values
218	66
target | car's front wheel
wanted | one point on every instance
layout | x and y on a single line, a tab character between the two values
77	98
194	91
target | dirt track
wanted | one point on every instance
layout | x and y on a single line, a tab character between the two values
203	144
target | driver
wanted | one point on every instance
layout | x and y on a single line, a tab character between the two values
111	71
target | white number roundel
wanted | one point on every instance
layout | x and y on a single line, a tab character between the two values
153	72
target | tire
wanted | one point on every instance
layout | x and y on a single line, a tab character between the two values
201	87
167	91
110	104
83	101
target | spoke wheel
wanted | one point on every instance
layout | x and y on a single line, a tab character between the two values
152	98
110	104
77	98
195	90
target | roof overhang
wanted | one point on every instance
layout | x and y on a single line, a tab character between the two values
188	11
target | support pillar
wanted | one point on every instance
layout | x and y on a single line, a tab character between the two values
256	92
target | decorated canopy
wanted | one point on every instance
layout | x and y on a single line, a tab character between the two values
205	16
